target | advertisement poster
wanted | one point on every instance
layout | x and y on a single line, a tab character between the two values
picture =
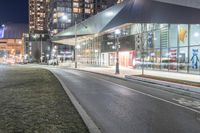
195	58
150	40
183	35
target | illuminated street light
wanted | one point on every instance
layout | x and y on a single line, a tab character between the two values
75	28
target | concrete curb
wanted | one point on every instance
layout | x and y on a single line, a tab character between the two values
165	83
117	77
86	118
185	90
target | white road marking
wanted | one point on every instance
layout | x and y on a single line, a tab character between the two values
185	102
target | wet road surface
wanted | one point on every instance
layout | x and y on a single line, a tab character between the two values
120	108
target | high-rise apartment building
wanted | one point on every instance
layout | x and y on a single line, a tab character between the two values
56	15
103	4
119	1
63	14
37	16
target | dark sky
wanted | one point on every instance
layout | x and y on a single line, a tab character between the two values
15	11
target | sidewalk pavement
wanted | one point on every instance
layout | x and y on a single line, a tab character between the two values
128	71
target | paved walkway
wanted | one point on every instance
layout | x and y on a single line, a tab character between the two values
129	71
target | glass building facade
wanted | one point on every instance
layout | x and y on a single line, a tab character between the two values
165	47
172	47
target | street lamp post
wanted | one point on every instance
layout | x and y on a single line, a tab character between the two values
75	52
117	45
139	46
142	51
65	18
143	56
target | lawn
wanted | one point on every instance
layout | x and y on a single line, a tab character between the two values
33	101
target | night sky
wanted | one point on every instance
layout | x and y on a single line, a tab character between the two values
15	11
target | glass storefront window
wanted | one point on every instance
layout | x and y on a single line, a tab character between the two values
112	58
183	35
157	59
173	35
126	31
138	60
135	29
195	34
164	59
183	59
150	27
163	25
166	47
151	58
145	40
156	39
173	59
164	37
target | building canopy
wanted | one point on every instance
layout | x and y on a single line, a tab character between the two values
133	11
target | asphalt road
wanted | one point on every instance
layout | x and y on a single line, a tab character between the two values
118	106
